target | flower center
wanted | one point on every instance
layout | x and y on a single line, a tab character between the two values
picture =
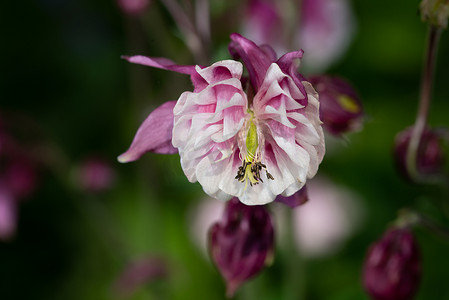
251	164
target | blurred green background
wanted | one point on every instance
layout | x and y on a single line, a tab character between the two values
61	66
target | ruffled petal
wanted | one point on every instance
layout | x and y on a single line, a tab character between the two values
155	134
254	58
289	64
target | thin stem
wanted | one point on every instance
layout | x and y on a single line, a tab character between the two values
434	227
202	18
193	40
424	103
294	288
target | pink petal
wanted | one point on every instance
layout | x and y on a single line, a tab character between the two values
163	63
254	58
288	63
155	134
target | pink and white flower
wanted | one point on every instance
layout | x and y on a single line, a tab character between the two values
252	139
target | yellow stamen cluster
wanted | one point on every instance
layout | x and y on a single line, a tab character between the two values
251	166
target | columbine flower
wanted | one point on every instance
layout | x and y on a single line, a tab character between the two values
392	268
251	139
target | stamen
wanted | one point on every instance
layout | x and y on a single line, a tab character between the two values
250	156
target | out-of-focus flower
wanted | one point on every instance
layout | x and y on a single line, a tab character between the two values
392	268
133	7
241	243
201	217
18	179
330	216
340	108
139	273
94	175
8	214
430	157
263	23
252	139
326	28
436	12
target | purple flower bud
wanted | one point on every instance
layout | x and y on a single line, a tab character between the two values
340	108
392	267
430	157
241	243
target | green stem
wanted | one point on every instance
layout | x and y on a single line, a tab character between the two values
294	288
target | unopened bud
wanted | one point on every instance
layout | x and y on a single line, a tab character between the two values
430	156
241	243
392	268
340	108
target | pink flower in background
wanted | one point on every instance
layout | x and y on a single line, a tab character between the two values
251	139
201	217
326	28
324	31
263	23
18	180
326	221
8	213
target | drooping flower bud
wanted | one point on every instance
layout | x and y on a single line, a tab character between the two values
241	243
392	268
340	108
430	156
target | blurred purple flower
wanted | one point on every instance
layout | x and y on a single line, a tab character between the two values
18	180
133	7
263	23
94	175
138	273
430	157
230	125
325	30
340	108
8	214
241	243
392	268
